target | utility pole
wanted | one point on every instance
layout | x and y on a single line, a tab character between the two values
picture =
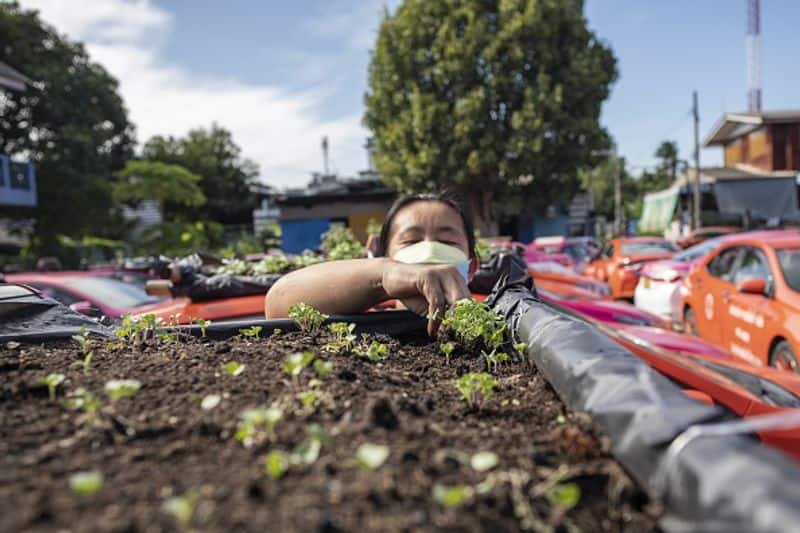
325	154
696	114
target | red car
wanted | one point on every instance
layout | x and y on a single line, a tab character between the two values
620	261
607	311
558	278
579	249
703	234
87	292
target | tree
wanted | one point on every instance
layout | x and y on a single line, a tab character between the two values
71	122
667	152
497	100
225	177
600	179
153	180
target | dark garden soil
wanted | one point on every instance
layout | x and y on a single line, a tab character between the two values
160	443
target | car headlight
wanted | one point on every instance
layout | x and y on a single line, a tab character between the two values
632	320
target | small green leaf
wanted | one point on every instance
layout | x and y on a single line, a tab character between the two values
233	368
182	508
121	388
451	496
371	456
483	461
277	464
86	483
565	495
52	381
322	368
210	402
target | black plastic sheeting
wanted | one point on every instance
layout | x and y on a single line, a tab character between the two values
26	316
200	287
712	483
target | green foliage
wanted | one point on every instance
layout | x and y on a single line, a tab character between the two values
140	329
252	332
294	363
83	340
277	463
452	496
500	100
322	368
153	180
308	318
121	388
374	352
476	388
339	242
52	381
257	424
81	398
86	483
71	121
233	368
308	399
521	347
371	456
344	337
274	263
447	349
203	324
474	322
494	358
483	250
373	227
182	508
564	495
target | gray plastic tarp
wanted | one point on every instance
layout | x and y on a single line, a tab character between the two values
764	197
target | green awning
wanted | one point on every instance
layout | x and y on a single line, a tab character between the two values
658	209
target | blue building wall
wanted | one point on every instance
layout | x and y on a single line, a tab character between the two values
17	183
542	226
300	235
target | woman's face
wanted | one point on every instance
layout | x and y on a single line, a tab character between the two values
427	220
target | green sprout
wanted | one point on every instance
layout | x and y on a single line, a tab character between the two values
447	349
322	368
476	388
294	363
52	381
203	324
308	399
494	358
344	337
371	456
521	347
276	332
182	508
308	319
121	388
452	496
564	495
81	398
277	463
141	328
474	322
339	242
375	352
252	420
307	452
83	340
86	483
483	249
233	368
250	333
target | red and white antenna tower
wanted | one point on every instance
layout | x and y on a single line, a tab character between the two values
754	56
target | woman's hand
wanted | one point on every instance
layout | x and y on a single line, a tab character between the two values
428	290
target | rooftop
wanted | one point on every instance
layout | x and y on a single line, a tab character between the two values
734	125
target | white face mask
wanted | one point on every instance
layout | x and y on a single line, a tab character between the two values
434	253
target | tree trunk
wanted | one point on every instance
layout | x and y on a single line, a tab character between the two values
480	207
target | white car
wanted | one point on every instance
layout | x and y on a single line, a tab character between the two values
659	280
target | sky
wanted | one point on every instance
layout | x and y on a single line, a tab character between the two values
281	75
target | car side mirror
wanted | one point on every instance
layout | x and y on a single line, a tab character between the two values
752	286
86	308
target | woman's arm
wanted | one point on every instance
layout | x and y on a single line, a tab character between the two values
355	285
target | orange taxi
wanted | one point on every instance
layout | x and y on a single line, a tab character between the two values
620	260
745	297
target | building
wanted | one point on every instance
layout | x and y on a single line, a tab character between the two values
17	178
756	185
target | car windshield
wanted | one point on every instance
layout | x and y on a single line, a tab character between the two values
111	292
697	251
647	248
789	259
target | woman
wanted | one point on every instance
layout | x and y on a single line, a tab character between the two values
425	257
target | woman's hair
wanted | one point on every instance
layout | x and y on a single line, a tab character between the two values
446	198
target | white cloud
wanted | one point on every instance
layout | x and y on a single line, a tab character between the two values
279	130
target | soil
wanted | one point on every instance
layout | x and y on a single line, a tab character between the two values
160	444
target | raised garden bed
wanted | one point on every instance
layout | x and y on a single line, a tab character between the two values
161	443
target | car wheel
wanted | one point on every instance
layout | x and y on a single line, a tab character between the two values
783	358
689	322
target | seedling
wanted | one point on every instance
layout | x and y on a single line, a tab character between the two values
121	388
322	368
339	242
250	333
52	381
371	456
308	399
493	359
276	332
203	324
375	352
83	399
474	322
452	496
86	483
564	496
344	337
83	340
307	452
182	508
521	347
86	363
308	319
294	363
277	463
447	349
252	420
233	368
476	388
